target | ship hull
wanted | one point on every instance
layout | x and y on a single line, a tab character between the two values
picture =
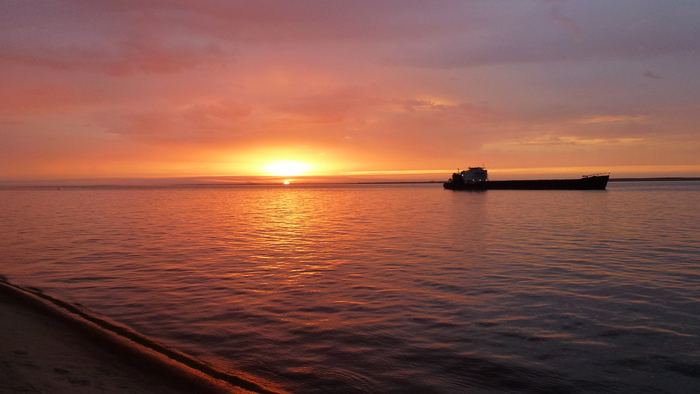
589	183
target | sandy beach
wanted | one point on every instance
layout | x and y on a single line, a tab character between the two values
46	349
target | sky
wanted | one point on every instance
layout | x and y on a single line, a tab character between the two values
93	89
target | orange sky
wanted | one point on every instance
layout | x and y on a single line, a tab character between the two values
150	88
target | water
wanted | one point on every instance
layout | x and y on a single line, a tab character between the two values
384	288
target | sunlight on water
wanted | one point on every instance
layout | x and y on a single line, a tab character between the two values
404	288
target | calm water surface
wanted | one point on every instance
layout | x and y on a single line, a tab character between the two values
385	288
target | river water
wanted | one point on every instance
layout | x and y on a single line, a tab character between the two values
384	288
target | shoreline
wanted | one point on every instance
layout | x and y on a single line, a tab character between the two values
50	345
221	185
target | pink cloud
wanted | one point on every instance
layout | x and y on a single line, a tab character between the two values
651	75
225	109
118	60
327	107
471	111
197	124
566	23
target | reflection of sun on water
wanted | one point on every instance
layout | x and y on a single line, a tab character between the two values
287	168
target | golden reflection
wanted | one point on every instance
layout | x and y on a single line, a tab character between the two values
287	225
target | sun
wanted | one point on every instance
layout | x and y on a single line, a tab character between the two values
287	168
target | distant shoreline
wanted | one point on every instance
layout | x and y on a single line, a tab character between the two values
224	185
657	179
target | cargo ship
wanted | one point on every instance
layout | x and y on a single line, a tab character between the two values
476	178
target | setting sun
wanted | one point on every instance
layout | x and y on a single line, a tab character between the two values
287	168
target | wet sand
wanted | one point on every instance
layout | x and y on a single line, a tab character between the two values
47	349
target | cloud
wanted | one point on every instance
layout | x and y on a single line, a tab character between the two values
313	20
224	109
573	140
152	37
611	118
651	75
567	23
205	123
466	111
15	100
328	107
116	59
527	33
70	35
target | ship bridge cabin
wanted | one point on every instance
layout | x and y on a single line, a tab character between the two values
475	174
